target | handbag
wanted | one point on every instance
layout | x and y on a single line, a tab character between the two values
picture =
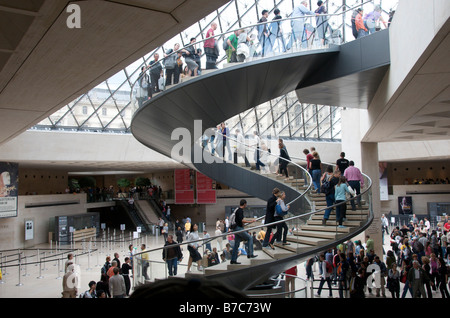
350	189
403	278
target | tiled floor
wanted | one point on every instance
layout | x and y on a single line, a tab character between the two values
46	281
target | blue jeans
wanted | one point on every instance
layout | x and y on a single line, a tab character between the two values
238	238
268	232
316	174
407	288
322	282
362	33
259	163
330	201
172	265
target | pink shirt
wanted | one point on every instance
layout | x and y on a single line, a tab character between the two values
354	174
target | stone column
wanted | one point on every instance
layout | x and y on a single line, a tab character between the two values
365	156
369	165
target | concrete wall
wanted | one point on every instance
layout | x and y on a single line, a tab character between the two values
12	230
414	35
69	149
42	181
414	150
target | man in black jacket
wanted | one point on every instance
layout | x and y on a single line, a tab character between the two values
241	236
171	255
270	212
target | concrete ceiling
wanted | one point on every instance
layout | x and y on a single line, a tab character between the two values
420	107
44	64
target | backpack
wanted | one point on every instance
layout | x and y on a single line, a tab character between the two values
233	219
104	269
279	211
225	44
326	185
329	267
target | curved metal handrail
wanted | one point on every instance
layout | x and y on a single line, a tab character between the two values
268	224
251	28
276	222
280	158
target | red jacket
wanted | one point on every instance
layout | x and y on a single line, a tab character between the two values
359	22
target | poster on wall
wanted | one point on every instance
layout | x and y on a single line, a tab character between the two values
382	166
9	185
184	186
206	194
405	205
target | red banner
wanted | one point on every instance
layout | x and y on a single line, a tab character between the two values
205	192
184	186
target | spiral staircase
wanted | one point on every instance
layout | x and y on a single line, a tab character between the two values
194	106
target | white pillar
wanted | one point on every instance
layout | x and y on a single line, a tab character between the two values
365	157
369	156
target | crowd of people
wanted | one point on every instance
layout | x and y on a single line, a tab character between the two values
428	181
418	260
114	279
269	37
417	263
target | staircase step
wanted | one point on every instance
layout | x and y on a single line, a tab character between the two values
349	205
316	234
296	248
332	223
277	253
333	217
349	212
296	181
216	269
324	228
316	195
312	241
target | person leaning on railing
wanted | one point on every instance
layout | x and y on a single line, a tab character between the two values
232	42
359	23
189	57
171	66
211	49
145	261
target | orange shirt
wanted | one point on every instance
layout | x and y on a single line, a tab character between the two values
110	272
359	22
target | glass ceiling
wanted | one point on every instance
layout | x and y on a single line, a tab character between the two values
106	108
